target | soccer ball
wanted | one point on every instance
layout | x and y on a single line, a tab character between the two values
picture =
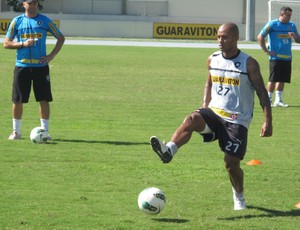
38	135
152	201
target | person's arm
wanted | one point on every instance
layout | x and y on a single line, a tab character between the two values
295	36
262	43
207	88
10	44
59	43
259	86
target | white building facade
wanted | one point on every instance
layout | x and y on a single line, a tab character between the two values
195	19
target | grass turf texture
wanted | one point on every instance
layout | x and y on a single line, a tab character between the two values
108	101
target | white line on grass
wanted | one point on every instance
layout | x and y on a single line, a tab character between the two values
153	44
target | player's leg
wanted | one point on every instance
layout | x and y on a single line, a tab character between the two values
193	122
43	94
270	89
17	111
236	176
272	79
20	94
44	110
284	76
279	86
45	116
279	91
233	142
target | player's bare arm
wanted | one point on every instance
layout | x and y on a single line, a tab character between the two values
9	43
207	87
258	84
263	46
55	51
295	36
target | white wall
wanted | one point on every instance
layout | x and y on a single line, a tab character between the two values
226	10
110	29
125	18
147	8
178	11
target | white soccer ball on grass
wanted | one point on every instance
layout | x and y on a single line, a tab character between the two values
38	135
152	201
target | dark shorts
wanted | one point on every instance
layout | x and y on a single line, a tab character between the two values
280	71
24	77
232	137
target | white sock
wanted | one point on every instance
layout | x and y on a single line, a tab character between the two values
17	125
278	96
238	194
270	96
45	124
173	147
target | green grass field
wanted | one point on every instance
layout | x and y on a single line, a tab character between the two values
108	101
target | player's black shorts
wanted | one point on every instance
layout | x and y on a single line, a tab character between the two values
24	77
232	137
280	71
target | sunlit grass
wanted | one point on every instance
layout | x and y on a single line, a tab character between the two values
108	101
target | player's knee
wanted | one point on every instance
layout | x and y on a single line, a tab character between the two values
190	120
193	121
232	165
228	166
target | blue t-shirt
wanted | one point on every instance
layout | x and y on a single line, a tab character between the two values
36	28
279	40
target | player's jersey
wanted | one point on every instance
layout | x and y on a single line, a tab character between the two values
279	40
232	94
23	28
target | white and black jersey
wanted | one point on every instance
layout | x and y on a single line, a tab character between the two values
232	94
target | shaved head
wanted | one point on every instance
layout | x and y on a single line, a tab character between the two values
228	36
230	28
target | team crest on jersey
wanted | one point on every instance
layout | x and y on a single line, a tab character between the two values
39	23
234	116
237	64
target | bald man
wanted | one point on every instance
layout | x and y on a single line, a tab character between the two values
227	108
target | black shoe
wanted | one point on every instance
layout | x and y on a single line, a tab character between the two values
161	149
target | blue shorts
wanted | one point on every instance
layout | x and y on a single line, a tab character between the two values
232	137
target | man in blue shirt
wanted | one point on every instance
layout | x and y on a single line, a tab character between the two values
30	31
280	32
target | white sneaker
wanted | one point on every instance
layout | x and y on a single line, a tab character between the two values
239	203
281	104
15	136
161	149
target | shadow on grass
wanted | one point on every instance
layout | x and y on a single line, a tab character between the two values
290	106
268	213
102	142
169	220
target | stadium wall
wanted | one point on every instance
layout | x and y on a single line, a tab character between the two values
140	18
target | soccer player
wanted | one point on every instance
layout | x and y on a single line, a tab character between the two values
280	33
227	109
30	30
